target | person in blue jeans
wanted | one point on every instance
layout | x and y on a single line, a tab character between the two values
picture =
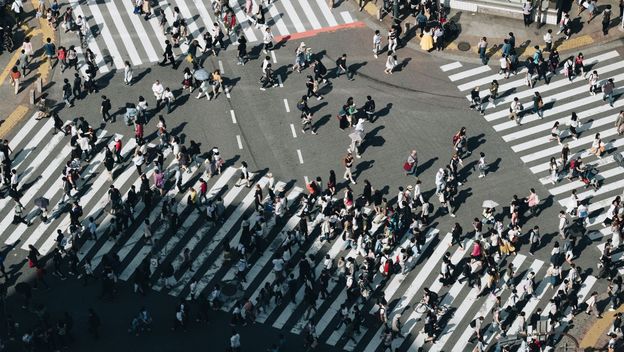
482	46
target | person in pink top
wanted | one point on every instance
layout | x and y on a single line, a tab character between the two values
532	201
476	250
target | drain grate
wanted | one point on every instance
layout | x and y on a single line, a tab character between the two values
463	46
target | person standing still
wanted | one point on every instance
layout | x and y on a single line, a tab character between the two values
348	164
482	46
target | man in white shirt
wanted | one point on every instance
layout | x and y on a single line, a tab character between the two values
548	39
235	341
158	90
514	109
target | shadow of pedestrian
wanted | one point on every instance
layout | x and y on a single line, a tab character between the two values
141	75
321	122
475	142
361	167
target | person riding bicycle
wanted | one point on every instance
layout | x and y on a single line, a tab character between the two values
430	298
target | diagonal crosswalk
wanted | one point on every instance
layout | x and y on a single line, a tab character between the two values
40	160
117	34
532	140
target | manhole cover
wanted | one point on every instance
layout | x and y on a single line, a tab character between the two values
463	46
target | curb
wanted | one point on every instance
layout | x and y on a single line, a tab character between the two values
44	72
451	51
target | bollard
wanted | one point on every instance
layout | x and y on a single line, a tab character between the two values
32	96
39	85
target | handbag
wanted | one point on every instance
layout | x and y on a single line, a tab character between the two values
407	166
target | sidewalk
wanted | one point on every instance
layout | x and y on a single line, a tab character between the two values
473	26
17	107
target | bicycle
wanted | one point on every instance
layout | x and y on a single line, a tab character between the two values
423	307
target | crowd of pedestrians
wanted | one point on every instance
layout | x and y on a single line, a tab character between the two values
367	223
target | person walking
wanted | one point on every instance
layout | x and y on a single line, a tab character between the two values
411	164
376	43
342	67
548	39
67	93
128	72
391	63
93	321
105	108
527	10
593	82
607	91
168	55
348	164
267	40
16	76
538	105
514	110
482	47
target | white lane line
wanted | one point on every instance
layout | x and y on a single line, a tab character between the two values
215	242
279	22
239	141
26	128
582	90
452	326
346	16
103	226
106	35
57	187
279	80
545	152
178	258
469	73
310	14
203	13
33	144
221	67
558	109
300	156
546	139
329	17
125	36
292	15
584	153
286	105
233	116
521	81
154	23
292	129
191	23
91	39
545	127
141	32
448	67
554	84
273	56
138	234
242	20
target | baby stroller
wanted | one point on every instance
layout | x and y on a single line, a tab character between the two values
588	177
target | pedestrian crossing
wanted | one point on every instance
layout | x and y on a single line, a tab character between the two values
40	157
116	34
532	139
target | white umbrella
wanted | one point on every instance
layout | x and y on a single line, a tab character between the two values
489	204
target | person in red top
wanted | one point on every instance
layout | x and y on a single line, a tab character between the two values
15	78
138	131
118	150
61	55
203	189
